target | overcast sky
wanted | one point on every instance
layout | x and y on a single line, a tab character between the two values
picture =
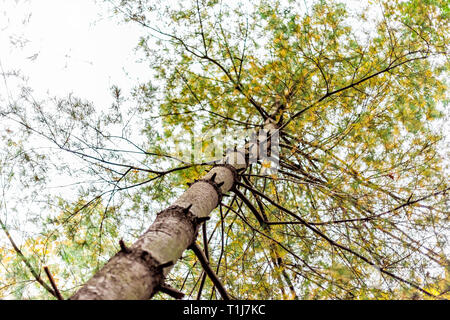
63	46
68	46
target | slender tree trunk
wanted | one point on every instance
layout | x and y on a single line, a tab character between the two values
138	272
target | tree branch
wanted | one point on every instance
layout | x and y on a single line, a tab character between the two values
207	268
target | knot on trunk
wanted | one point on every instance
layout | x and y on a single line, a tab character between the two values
233	170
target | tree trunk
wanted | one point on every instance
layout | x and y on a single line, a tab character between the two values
138	272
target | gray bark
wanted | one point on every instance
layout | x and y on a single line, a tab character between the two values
138	272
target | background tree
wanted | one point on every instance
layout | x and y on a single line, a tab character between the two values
359	205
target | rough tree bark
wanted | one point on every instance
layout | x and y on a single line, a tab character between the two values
138	272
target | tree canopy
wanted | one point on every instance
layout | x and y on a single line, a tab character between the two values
358	207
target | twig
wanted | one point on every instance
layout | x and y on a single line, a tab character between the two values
26	262
212	275
174	293
252	208
205	245
52	282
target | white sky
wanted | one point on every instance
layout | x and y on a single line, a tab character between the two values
72	46
65	46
